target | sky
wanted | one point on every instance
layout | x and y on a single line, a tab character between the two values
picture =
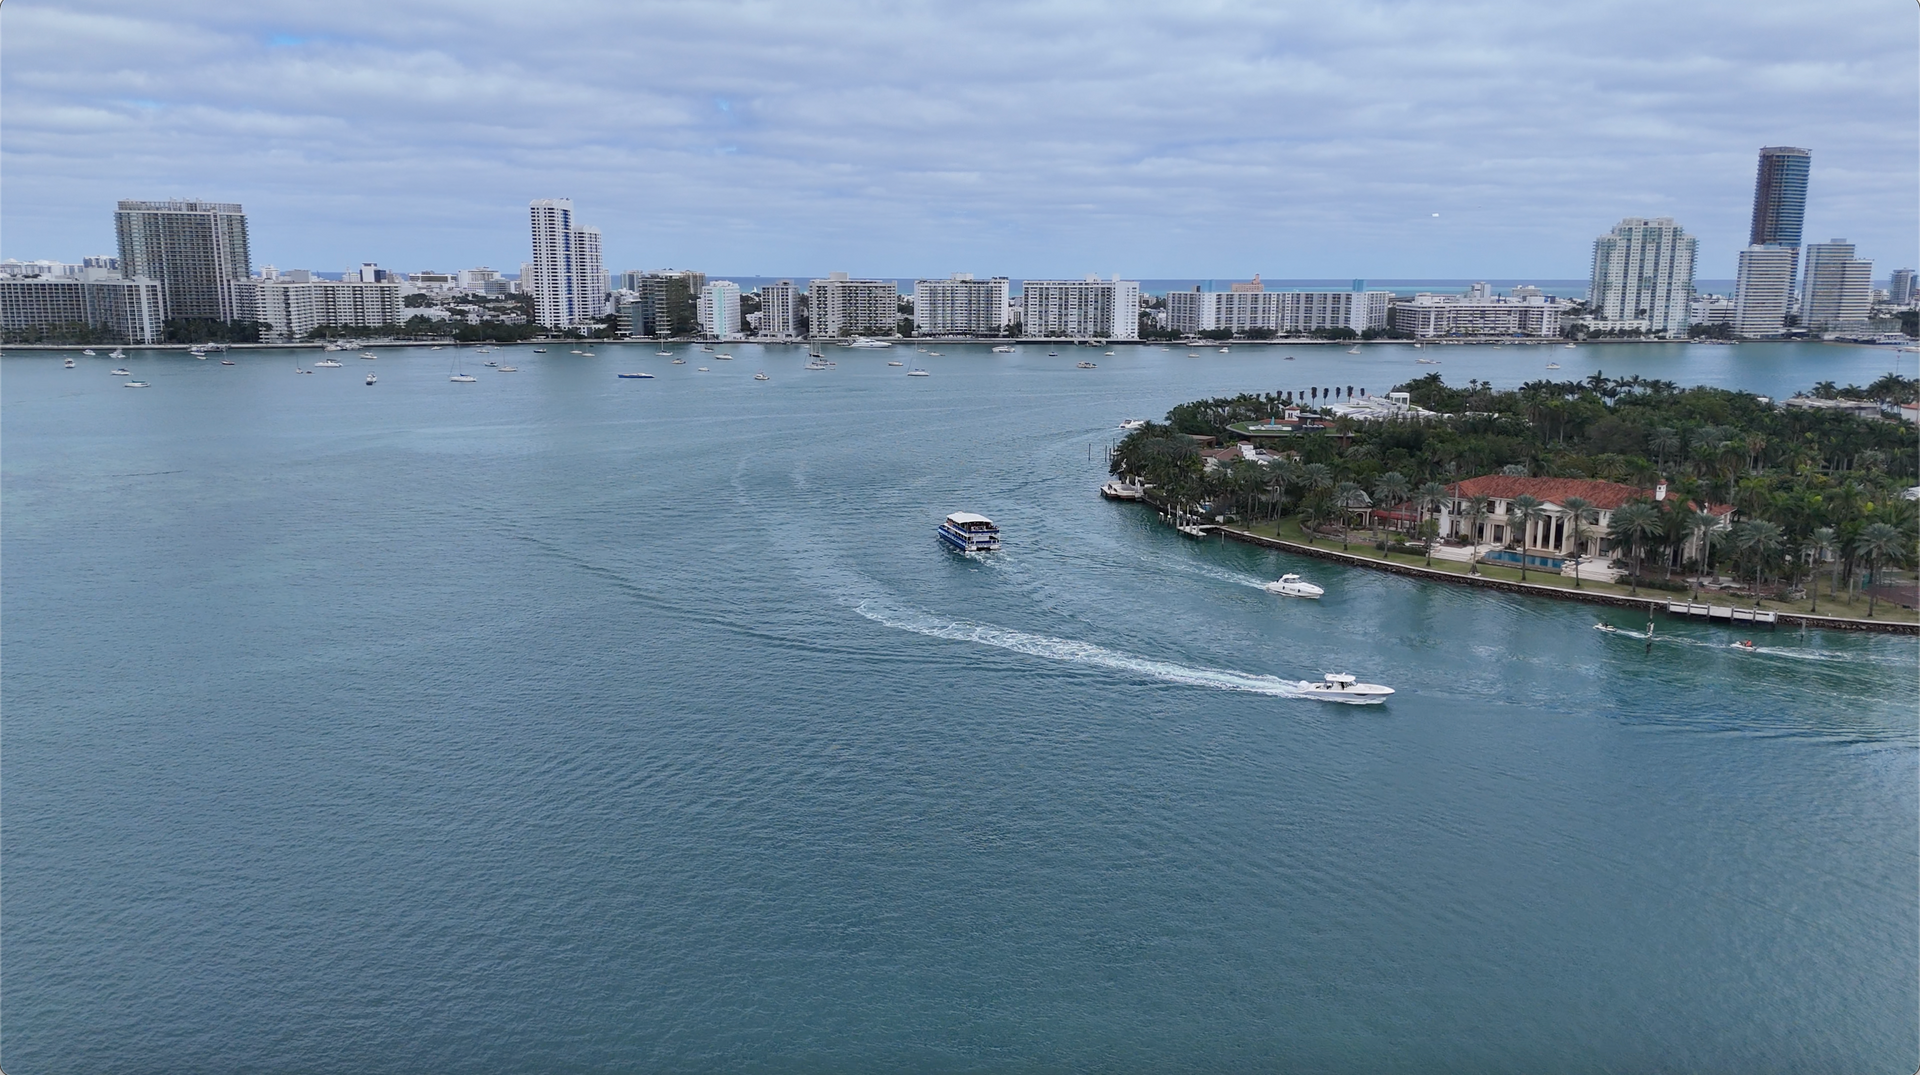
1366	138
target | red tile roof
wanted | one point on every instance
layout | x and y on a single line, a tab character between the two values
1603	495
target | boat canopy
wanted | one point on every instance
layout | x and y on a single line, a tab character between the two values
968	519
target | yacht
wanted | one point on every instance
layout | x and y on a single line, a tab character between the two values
1003	349
463	378
136	384
328	363
816	366
896	363
679	361
635	376
967	532
68	363
761	377
1341	687
862	341
368	355
1224	351
1133	423
88	352
1085	366
724	357
1294	586
918	373
372	377
123	372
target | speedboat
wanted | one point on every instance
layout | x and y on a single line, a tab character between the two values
88	352
918	373
463	378
1085	366
896	363
586	354
68	363
702	369
761	377
635	376
967	532
123	372
1223	351
372	377
1003	349
368	355
226	362
1133	423
1570	345
136	384
328	363
489	363
1294	586
435	347
933	354
724	357
1341	687
679	361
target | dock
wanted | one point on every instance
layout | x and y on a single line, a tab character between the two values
1197	531
1725	613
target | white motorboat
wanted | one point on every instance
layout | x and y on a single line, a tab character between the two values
864	342
1003	349
1294	586
1224	351
123	372
761	377
679	361
68	363
724	357
1133	423
1341	687
1109	354
816	365
635	376
660	354
226	362
463	378
136	384
896	363
918	373
1553	365
372	377
368	355
506	369
702	369
1570	345
328	363
88	352
537	350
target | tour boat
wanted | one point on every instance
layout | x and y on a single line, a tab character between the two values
1341	687
123	372
635	376
1085	366
896	363
968	532
69	363
372	376
761	377
136	384
463	378
328	363
1133	423
1294	586
1003	349
918	373
88	352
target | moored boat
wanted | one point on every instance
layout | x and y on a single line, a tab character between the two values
1003	349
967	532
635	376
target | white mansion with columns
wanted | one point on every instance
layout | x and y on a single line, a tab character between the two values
1551	532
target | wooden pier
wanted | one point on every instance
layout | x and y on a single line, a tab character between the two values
1724	613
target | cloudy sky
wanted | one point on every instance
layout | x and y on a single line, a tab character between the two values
1193	139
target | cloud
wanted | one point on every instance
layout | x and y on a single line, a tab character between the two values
1210	139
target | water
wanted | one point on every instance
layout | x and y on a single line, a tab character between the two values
563	722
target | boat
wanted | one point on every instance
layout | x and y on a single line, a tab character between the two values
463	378
537	350
586	354
918	373
1003	349
368	355
1109	354
703	347
197	352
123	372
435	347
864	342
724	357
815	354
136	384
116	354
297	369
506	369
68	363
1570	345
1354	350
1553	365
1223	351
88	352
1291	585
1743	645
1426	361
226	362
1123	491
679	361
663	354
1051	353
1085	366
372	376
933	354
1341	687
576	351
489	363
328	363
1133	423
967	532
896	363
703	369
761	377
635	376
816	366
1289	357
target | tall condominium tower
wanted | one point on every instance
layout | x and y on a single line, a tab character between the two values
960	306
1780	203
720	309
1643	272
1839	289
193	248
1096	308
1760	296
1900	288
569	284
780	309
840	306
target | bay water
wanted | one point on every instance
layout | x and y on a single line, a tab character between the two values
566	722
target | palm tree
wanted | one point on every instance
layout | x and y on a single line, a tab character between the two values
1349	498
1476	511
1820	543
1527	509
1664	441
1390	489
1580	511
1429	496
1704	525
1632	525
1879	541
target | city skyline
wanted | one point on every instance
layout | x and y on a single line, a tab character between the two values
1054	144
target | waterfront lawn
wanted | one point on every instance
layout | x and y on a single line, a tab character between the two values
1360	544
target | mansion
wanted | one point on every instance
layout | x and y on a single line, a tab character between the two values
1551	532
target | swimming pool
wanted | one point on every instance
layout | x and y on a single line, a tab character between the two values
1505	556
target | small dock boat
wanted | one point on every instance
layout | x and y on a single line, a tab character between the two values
1294	586
724	357
967	532
1341	687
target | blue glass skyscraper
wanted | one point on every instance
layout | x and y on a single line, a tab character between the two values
1780	201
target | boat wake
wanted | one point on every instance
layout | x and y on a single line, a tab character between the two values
1757	650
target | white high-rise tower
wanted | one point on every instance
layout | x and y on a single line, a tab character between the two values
1643	275
569	284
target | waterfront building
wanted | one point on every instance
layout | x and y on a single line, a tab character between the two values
1900	288
780	310
1780	204
841	306
1761	292
291	308
1710	310
1551	533
960	306
1284	313
1643	272
131	309
1839	288
1479	312
665	302
720	309
1081	309
570	286
193	248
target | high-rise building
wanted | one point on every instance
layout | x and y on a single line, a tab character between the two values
1780	203
1479	312
1081	309
193	248
840	306
1281	312
960	306
1900	289
1839	288
48	308
293	304
1643	276
1761	293
570	286
780	310
664	303
720	309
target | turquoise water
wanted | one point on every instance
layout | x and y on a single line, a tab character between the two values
563	722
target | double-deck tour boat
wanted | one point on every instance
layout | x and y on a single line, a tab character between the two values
968	532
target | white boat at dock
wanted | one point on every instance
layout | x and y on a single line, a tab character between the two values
1341	687
967	532
1118	490
1291	585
